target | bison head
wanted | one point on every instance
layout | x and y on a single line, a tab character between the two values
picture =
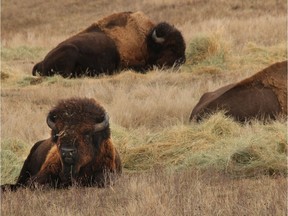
166	46
79	127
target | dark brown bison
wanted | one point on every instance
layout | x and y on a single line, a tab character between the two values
262	96
120	41
87	54
79	152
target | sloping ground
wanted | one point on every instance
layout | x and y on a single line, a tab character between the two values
71	15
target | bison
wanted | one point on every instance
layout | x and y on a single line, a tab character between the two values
79	152
262	96
120	41
87	54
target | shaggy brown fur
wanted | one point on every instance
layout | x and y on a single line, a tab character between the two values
168	53
129	31
76	152
262	96
275	78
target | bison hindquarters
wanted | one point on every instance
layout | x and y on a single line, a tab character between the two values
87	54
240	102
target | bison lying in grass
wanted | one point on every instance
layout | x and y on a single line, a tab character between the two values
120	41
80	150
262	96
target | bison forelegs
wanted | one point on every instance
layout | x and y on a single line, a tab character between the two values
43	179
48	174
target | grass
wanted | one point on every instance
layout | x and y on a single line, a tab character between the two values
158	193
256	53
171	166
21	53
12	156
214	144
207	51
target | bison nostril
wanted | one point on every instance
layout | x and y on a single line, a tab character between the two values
68	155
68	152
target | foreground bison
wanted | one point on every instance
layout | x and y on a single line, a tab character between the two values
262	96
120	41
79	151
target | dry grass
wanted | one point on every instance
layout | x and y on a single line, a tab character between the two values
171	166
158	193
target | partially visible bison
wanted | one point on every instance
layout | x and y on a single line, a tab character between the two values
85	54
120	41
262	96
79	152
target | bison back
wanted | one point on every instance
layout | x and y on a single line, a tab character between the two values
84	54
129	31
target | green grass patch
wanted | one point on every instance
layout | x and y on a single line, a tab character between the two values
57	79
218	143
255	54
29	80
21	53
13	153
207	51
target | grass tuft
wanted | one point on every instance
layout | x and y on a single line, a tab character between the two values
216	143
207	51
13	153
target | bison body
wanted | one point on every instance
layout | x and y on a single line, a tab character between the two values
87	54
261	96
120	41
79	151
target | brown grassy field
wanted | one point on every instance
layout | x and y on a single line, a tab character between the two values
171	166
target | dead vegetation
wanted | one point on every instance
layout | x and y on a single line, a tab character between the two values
158	193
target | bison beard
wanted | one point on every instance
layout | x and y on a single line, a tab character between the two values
79	151
120	41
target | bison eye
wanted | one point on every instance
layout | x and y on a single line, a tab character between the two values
54	136
87	136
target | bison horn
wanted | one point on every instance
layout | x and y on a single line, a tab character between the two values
50	122
156	38
102	125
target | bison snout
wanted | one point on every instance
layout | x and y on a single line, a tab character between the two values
68	155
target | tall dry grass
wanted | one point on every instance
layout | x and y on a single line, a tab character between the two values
157	193
171	166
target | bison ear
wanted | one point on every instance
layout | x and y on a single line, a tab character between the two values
51	119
